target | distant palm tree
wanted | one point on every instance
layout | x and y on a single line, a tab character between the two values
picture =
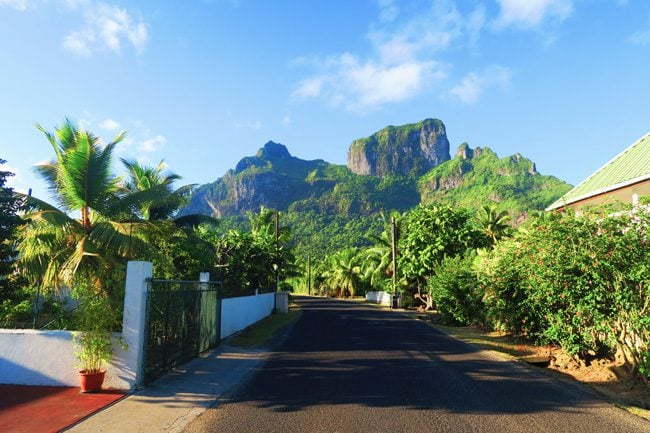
378	258
56	247
343	272
164	201
494	224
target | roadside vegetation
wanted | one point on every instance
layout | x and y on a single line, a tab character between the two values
262	333
580	283
577	282
60	255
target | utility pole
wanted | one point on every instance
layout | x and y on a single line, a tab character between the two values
309	274
393	237
277	250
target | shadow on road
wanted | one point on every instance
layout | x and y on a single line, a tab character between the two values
346	353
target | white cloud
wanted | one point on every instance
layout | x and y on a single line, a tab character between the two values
531	14
402	63
286	120
360	86
310	87
109	124
19	5
248	124
106	27
388	10
470	88
152	144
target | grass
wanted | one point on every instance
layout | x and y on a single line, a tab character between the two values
489	340
264	331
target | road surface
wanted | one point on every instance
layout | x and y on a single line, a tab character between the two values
350	367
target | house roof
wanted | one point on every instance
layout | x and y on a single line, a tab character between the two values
627	168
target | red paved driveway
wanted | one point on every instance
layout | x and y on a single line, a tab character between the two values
46	409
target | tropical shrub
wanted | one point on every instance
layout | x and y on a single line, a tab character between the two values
580	282
456	291
427	235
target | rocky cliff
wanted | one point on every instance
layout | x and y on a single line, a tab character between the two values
393	169
479	176
406	150
272	178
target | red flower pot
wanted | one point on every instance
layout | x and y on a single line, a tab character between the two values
91	382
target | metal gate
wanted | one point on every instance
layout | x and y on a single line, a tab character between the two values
183	319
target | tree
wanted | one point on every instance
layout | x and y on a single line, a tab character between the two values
378	258
169	201
429	234
9	222
57	248
264	226
343	272
178	252
494	224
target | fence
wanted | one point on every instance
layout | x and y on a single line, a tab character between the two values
47	357
182	320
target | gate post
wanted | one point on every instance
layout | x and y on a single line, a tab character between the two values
133	322
204	277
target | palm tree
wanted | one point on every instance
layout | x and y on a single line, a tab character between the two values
494	224
343	272
263	230
378	258
143	178
57	248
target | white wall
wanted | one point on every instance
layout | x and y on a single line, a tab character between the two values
383	298
240	313
29	357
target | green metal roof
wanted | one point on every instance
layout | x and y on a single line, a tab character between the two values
630	166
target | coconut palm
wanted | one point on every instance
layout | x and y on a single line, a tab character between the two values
94	226
166	201
494	224
343	272
378	257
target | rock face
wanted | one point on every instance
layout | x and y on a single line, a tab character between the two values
272	178
406	150
394	169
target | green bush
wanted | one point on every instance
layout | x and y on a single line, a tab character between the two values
580	282
456	291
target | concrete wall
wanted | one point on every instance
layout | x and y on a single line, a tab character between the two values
383	298
29	357
240	313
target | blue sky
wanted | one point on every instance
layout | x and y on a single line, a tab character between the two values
202	83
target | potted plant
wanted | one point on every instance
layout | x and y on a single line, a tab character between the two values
94	340
95	348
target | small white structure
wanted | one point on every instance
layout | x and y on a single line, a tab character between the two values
383	298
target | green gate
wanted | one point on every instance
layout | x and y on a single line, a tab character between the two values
183	319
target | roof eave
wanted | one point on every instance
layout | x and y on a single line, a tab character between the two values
564	203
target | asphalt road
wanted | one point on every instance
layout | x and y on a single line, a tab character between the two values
349	367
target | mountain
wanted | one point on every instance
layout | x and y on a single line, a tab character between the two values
407	150
479	176
393	169
272	178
